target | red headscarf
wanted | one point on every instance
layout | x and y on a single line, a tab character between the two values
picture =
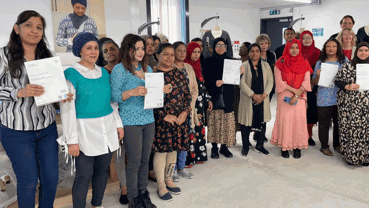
195	64
293	68
310	53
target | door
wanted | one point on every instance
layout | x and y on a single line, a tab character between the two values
274	28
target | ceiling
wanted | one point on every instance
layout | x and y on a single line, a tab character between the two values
245	4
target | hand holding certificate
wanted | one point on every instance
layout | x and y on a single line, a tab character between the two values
48	73
154	83
362	76
327	75
231	71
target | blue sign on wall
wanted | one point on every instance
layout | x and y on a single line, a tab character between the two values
318	32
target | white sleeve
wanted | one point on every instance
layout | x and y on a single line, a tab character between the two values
118	120
68	117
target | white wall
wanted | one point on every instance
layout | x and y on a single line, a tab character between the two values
327	16
241	24
117	13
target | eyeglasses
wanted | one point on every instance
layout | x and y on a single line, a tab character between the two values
221	46
308	38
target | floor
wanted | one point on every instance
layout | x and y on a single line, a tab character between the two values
260	181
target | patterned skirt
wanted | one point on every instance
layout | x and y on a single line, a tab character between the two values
221	128
197	152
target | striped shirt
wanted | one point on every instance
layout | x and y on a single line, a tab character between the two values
66	31
20	114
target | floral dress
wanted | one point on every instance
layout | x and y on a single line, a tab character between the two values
353	119
168	137
197	152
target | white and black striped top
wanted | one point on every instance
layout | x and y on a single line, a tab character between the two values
20	114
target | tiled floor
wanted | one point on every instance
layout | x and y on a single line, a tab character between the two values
261	181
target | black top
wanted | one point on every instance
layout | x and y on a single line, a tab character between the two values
279	51
362	36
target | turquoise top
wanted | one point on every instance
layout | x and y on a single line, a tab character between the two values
131	110
92	95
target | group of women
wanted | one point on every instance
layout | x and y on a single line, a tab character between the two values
104	112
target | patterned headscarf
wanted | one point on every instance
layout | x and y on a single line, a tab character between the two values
80	40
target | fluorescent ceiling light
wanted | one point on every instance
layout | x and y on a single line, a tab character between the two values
299	1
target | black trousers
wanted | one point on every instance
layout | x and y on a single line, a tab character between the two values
259	136
325	114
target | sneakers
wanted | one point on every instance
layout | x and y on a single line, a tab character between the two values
261	150
175	176
296	153
225	151
145	197
185	174
285	154
174	190
311	142
123	199
135	203
214	153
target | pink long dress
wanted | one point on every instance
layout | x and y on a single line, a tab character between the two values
290	127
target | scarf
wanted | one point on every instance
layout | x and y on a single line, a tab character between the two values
196	65
257	85
293	68
356	59
310	53
77	20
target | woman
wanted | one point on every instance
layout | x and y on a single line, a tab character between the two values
128	81
150	50
347	39
244	51
171	123
326	97
221	124
74	23
182	157
199	41
91	129
310	53
353	110
157	43
26	128
110	52
292	77
254	109
202	103
266	55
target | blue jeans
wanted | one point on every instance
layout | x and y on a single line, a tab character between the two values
181	160
34	156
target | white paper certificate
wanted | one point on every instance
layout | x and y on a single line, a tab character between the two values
327	74
154	83
231	71
48	73
362	76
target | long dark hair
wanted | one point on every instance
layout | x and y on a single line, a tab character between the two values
177	44
15	52
126	50
323	55
163	46
102	41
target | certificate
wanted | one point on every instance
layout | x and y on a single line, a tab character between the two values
49	74
327	74
231	71
362	76
154	83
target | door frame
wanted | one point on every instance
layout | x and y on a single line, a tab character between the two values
268	19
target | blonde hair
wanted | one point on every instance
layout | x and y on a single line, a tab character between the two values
340	35
263	37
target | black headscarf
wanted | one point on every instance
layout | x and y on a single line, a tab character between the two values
213	71
356	59
257	85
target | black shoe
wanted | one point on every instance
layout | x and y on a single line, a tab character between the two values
245	151
261	150
365	164
265	140
225	151
297	153
123	199
311	142
285	154
136	203
145	197
214	153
